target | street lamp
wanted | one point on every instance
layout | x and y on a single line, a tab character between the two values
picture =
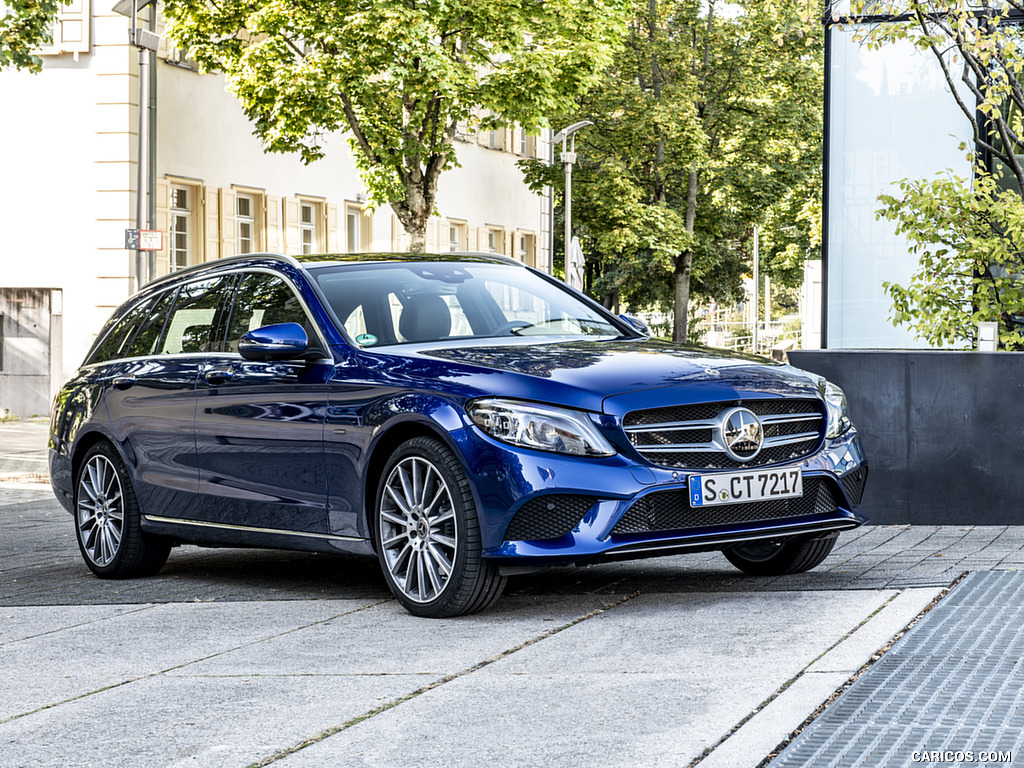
568	157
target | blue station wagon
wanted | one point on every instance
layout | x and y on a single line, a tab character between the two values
462	417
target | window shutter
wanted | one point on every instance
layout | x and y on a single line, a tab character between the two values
272	214
333	239
163	206
292	237
431	246
211	224
70	30
471	244
228	221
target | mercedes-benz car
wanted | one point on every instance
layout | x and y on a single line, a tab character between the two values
461	417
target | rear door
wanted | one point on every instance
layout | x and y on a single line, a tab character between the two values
150	394
259	425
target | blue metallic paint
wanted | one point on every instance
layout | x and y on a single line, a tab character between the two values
289	446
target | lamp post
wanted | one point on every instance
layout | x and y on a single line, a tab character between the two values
568	157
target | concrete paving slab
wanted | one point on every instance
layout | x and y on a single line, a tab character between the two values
385	639
17	623
198	722
778	634
655	681
46	670
598	720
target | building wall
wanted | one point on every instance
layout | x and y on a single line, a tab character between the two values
70	146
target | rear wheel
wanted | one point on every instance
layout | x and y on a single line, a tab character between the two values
775	557
107	520
428	536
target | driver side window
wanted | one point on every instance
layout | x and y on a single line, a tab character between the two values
265	299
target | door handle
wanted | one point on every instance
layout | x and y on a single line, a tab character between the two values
218	375
121	383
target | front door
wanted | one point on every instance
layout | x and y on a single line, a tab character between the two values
259	425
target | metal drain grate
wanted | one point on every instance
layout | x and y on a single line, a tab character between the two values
954	683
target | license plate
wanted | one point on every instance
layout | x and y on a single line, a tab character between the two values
740	487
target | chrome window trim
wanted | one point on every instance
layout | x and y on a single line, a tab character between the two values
239	270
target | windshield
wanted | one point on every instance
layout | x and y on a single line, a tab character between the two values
416	302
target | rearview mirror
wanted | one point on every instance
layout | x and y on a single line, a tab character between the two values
283	341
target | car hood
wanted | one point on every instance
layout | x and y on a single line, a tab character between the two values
611	375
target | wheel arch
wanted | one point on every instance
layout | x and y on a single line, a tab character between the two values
85	442
385	445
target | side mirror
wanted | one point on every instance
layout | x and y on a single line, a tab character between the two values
637	323
284	341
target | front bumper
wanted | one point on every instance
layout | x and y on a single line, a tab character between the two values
603	500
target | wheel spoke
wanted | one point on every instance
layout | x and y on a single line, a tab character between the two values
420	582
438	557
393	518
402	503
431	568
443	540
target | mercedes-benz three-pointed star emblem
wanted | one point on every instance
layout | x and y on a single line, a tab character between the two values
742	432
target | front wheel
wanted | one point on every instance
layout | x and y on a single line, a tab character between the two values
428	536
776	557
107	520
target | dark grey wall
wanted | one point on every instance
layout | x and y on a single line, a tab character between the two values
943	431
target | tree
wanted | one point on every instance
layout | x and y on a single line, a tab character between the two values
26	27
400	76
706	124
966	232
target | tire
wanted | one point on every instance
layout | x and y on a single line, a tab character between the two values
107	520
428	535
776	557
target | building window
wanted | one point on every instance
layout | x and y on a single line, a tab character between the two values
309	235
353	230
181	227
527	144
245	223
456	236
495	241
527	253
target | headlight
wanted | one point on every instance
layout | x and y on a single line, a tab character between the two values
835	407
542	427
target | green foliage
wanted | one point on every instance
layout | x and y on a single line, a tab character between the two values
706	123
26	27
399	75
970	242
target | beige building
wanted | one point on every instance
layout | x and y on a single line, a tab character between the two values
70	148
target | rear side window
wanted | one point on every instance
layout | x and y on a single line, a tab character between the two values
195	324
113	340
264	300
145	341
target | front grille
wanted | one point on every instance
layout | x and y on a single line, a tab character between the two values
548	517
690	436
853	484
671	510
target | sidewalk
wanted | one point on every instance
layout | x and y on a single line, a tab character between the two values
243	659
23	450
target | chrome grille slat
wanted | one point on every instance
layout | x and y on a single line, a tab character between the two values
792	429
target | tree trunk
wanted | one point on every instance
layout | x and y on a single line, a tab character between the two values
684	265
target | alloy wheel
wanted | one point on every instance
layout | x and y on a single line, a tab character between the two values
100	510
418	529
